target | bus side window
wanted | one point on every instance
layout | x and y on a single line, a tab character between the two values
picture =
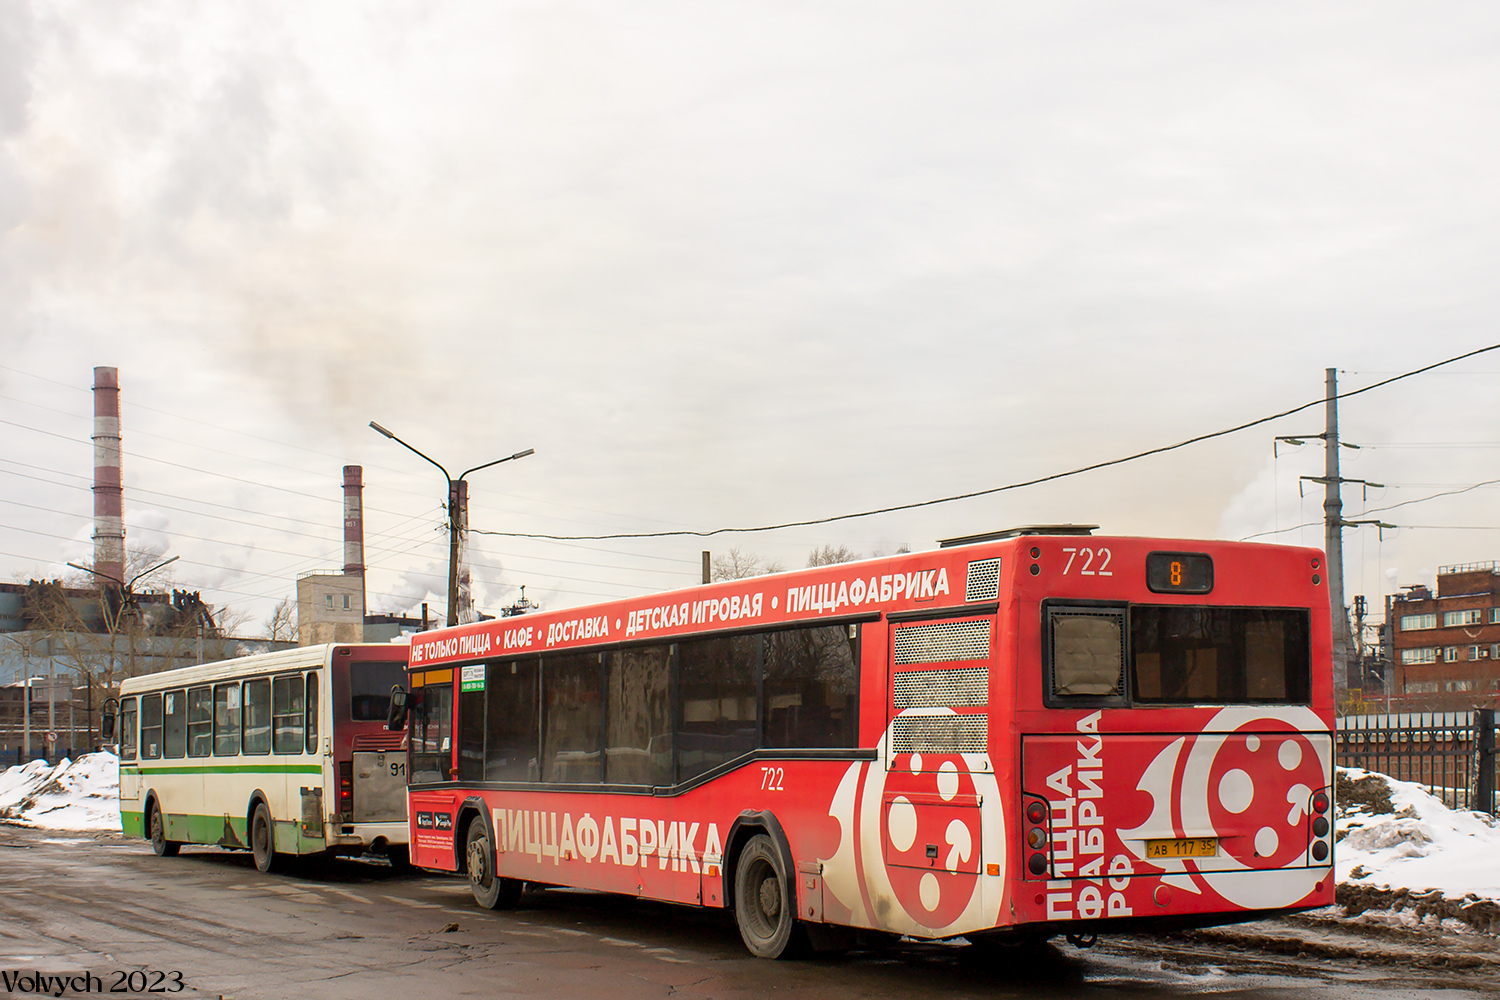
127	729
287	712
638	743
312	713
811	688
257	716
717	706
512	723
227	720
150	726
573	717
174	712
200	721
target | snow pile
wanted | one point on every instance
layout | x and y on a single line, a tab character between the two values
1400	846
82	794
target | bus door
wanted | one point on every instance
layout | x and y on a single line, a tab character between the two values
938	744
430	767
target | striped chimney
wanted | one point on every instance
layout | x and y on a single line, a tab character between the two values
354	520
109	520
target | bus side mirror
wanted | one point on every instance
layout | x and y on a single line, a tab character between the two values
396	719
107	720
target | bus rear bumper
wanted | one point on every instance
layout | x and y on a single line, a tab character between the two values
357	838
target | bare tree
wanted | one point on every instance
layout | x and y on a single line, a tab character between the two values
901	550
282	625
229	620
138	559
830	555
737	564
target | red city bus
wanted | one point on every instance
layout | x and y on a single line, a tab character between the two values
1023	734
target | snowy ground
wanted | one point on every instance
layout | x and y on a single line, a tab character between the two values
1405	858
1393	834
82	794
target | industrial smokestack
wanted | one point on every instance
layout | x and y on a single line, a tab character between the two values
354	520
109	520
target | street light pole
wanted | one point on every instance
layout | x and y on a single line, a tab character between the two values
457	504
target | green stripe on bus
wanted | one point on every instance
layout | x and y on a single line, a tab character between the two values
227	769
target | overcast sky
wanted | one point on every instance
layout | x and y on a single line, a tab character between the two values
734	264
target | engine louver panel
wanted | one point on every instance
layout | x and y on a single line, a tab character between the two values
942	642
963	688
939	734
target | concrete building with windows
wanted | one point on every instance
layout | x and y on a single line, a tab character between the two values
1446	645
330	608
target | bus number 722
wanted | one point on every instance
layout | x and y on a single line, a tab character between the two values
1089	555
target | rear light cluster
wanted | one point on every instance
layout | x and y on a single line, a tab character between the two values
1036	836
1321	803
346	788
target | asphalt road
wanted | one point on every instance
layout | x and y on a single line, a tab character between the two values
109	906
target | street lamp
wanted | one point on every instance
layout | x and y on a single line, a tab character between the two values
455	508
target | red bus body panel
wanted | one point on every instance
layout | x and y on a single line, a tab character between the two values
932	844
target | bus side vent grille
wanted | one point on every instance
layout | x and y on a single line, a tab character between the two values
938	734
983	582
963	688
943	642
379	741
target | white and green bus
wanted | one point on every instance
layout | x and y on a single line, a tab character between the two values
283	754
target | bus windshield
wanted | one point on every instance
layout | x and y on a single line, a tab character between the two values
1207	655
370	686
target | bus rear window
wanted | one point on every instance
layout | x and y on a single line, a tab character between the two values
1197	655
370	688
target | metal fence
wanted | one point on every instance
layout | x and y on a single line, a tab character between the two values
1452	754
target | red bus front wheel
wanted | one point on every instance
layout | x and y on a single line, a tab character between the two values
765	915
490	890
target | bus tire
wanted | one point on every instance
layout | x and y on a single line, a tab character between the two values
263	839
156	829
399	858
766	917
491	891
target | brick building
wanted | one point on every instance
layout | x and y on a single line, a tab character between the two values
1446	645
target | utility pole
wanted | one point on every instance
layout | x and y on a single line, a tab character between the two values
1334	525
458	502
1333	530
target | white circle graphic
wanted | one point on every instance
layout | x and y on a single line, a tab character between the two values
1289	754
901	823
1252	743
916	763
929	891
1236	790
1266	841
947	780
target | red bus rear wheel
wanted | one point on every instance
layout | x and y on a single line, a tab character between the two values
761	908
490	890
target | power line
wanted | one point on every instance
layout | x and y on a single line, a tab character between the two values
998	489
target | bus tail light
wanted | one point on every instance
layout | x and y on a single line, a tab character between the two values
1037	836
1321	826
346	787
